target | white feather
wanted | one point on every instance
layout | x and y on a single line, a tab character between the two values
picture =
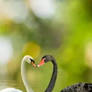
10	90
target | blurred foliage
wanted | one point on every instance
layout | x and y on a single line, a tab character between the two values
66	36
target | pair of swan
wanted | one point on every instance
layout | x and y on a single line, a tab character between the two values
79	87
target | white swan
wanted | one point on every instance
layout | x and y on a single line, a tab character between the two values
29	60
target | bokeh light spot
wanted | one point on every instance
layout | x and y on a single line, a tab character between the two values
6	50
43	8
32	49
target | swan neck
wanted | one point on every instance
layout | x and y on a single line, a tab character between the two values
23	74
53	78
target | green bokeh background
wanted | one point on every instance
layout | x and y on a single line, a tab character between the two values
67	36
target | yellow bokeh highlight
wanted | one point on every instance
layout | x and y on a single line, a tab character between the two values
31	49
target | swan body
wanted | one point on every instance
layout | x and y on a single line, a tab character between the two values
10	90
79	87
29	60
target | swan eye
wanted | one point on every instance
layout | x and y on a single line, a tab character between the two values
46	59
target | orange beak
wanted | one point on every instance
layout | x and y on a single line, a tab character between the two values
34	65
41	63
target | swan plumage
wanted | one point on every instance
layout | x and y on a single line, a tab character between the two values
10	90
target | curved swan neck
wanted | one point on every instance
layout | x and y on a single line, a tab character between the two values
23	74
53	78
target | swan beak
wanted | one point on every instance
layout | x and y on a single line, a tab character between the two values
34	65
41	63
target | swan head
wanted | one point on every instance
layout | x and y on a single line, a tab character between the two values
45	59
30	60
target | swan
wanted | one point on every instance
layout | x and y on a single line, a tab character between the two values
79	87
44	60
25	59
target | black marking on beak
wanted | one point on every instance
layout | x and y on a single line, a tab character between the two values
33	63
32	60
